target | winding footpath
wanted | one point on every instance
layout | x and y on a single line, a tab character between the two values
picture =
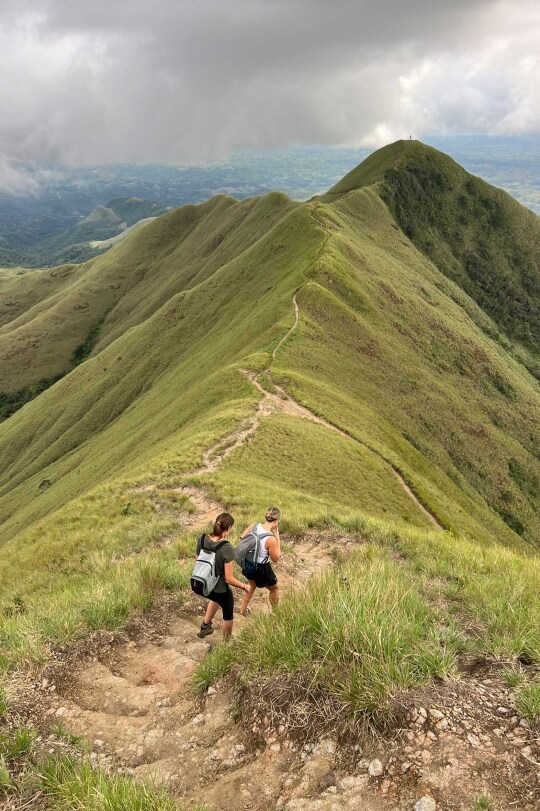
282	402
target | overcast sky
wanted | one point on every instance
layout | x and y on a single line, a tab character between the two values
161	80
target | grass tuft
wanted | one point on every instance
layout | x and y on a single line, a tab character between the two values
5	777
71	784
483	803
3	702
528	700
358	635
215	664
18	744
513	676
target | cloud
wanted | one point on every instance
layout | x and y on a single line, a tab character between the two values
179	79
16	179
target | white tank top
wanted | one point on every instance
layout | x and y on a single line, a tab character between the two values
263	552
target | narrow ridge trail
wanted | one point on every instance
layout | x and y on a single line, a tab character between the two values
283	402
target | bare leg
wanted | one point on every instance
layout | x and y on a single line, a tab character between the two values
211	611
226	628
273	593
247	595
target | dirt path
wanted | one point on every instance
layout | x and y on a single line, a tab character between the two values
289	333
138	712
135	706
284	403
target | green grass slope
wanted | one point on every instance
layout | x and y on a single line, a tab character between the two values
476	234
387	348
48	315
423	384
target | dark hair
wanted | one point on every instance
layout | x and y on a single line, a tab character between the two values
222	523
272	514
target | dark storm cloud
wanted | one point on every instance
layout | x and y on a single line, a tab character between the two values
179	79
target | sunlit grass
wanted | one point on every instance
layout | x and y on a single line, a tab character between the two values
68	783
359	634
528	700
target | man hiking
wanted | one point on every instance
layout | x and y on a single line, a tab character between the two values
213	575
269	550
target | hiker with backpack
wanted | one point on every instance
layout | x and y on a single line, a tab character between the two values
213	575
259	545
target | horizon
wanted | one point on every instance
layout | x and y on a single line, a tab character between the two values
299	170
190	83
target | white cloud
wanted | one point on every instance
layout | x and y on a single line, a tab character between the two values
124	80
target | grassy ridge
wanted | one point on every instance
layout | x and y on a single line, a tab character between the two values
418	380
387	348
50	313
166	385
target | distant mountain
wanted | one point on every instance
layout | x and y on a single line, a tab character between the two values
35	229
401	342
77	243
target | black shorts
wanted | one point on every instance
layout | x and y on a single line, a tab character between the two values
225	599
265	576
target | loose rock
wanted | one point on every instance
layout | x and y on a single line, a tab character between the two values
375	768
426	804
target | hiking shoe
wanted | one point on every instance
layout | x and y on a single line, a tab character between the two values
206	630
246	613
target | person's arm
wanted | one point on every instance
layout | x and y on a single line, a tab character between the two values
231	579
247	531
273	547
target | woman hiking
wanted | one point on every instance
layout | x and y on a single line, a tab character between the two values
222	596
269	550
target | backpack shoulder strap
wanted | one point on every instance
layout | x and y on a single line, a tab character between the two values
200	544
266	535
214	547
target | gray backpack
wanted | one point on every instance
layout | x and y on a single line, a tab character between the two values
246	553
204	577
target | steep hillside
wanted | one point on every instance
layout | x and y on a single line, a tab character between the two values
324	357
50	318
477	235
387	348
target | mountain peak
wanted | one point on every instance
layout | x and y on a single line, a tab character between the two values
390	157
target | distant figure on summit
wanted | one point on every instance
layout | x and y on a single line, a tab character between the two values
260	574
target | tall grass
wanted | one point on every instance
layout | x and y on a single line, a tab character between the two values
62	782
68	783
528	700
359	635
495	587
104	601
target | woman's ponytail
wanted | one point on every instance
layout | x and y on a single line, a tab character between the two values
222	523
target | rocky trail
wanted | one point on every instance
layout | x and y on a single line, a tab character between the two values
132	699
